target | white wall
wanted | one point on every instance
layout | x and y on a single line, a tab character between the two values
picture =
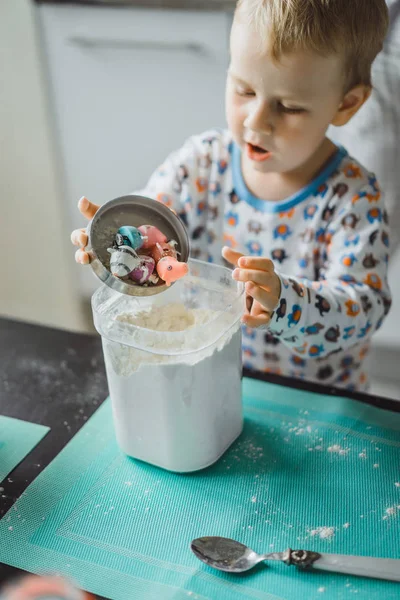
35	284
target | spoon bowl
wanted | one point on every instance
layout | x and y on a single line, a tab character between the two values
225	554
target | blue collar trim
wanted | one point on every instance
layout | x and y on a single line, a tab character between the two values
265	206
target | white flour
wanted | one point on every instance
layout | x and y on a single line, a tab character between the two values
164	348
336	449
392	511
323	532
171	317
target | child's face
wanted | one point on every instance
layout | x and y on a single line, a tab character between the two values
278	112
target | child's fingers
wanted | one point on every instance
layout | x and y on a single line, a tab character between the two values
79	238
264	278
256	262
88	209
256	308
255	321
267	300
231	255
82	257
253	307
249	303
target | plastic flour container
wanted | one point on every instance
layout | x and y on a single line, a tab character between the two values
174	368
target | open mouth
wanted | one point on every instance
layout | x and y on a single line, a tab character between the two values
257	153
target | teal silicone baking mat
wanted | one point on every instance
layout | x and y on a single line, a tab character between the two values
309	471
17	439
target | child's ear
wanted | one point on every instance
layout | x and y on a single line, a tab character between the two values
351	103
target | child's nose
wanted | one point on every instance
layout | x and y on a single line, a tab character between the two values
259	118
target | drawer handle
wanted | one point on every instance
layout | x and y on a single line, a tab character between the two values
92	42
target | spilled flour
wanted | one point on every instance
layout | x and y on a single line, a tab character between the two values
336	449
391	512
323	532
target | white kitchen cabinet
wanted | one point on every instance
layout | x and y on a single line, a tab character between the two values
127	87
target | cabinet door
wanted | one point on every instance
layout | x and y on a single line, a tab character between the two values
128	86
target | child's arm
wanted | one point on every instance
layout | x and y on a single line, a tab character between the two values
352	297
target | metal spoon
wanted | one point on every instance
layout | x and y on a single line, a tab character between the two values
233	557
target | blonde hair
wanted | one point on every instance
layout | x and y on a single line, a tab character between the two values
356	28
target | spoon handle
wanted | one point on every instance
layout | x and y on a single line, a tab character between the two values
379	568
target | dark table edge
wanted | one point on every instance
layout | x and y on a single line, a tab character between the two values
310	386
302	384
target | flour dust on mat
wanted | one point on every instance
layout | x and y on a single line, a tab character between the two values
325	533
336	449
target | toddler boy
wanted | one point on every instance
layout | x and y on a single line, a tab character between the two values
303	223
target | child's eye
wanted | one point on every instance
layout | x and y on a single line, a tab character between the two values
244	92
290	111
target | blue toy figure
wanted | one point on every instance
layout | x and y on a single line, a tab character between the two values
130	236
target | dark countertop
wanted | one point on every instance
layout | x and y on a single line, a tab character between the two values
218	5
57	378
51	377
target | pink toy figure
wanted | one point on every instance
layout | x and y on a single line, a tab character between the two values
169	269
162	250
154	236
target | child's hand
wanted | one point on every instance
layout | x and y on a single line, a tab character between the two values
79	236
262	285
